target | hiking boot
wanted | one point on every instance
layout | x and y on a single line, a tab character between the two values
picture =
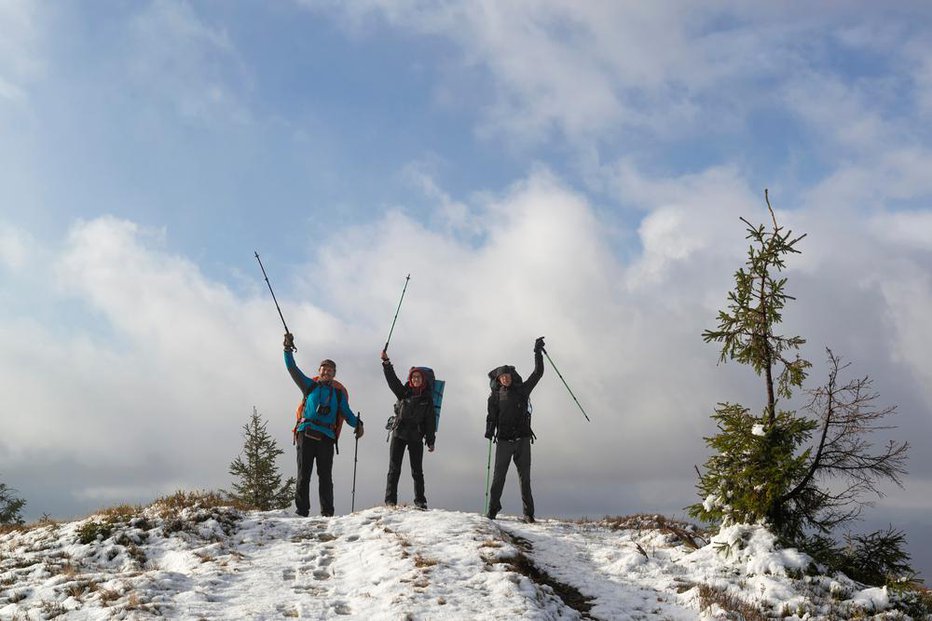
300	513
490	515
326	513
422	505
528	519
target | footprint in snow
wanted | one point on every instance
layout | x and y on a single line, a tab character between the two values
342	608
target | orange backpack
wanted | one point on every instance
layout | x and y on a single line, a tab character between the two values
337	425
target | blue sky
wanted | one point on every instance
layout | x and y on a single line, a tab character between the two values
570	169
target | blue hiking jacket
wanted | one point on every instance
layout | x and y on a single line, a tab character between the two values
319	393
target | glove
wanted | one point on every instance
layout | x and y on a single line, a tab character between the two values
539	345
489	431
360	430
289	341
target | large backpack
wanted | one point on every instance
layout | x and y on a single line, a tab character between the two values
435	390
435	387
516	381
337	426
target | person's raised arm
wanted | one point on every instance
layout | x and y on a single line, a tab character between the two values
305	383
391	377
531	381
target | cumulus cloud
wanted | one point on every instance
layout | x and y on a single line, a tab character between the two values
584	71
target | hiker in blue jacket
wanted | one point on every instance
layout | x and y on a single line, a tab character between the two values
413	425
325	400
509	423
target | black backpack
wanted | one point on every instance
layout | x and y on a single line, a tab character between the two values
516	382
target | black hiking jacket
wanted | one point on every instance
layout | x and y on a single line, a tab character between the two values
415	420
508	406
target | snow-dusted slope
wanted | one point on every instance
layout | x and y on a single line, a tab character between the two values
218	563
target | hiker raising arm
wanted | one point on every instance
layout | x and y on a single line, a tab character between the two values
412	426
509	422
325	406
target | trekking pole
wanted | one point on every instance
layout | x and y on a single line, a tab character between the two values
273	295
567	385
355	455
488	468
407	278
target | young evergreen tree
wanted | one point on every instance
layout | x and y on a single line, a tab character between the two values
763	468
10	506
258	482
755	461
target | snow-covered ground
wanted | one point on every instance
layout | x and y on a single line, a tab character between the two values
381	563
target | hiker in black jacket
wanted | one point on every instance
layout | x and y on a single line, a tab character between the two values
413	425
509	422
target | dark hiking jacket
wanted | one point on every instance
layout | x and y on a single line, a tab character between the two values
415	420
509	417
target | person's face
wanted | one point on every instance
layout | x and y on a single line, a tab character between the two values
326	372
416	379
505	379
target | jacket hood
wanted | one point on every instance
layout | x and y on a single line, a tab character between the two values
425	377
506	368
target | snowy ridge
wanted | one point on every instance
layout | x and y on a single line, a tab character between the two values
220	563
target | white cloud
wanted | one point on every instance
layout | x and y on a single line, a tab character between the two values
582	71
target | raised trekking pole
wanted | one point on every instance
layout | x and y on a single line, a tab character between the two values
273	295
355	455
567	385
488	468
407	278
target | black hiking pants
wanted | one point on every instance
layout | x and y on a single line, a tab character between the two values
506	451
310	450
396	454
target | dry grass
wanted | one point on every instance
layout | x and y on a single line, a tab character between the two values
200	499
107	596
688	534
710	596
50	610
423	561
79	588
120	513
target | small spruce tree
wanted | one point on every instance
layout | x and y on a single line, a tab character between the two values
258	482
762	469
755	461
10	506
